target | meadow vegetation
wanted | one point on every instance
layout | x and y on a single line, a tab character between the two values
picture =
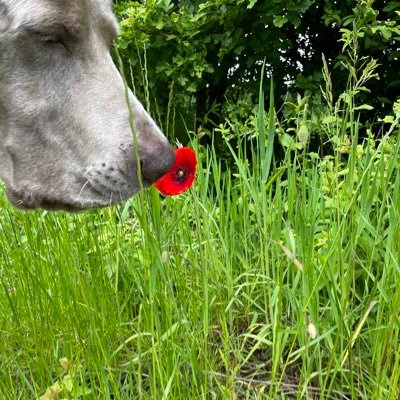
274	277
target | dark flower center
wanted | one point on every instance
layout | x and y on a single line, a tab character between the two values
181	174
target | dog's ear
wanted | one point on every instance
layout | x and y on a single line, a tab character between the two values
5	17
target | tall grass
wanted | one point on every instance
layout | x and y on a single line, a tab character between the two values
267	280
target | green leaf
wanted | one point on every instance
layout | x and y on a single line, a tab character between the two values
251	4
159	24
279	21
303	134
286	140
389	119
386	33
364	107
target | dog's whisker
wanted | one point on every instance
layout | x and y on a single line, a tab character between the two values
83	187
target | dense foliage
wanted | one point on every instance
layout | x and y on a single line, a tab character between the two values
205	57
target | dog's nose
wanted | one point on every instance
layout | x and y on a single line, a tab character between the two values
157	162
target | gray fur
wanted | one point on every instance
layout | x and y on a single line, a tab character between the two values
65	138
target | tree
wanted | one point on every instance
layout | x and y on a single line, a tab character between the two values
200	55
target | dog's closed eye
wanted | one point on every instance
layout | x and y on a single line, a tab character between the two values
53	40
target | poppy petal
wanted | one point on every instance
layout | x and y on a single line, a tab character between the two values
181	176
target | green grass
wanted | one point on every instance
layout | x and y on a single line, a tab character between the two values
215	294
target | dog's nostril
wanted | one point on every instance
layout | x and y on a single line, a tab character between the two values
155	164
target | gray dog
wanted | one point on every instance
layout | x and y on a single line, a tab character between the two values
65	137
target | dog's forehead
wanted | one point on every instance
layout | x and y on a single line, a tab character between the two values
68	12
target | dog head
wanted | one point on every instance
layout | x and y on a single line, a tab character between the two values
65	136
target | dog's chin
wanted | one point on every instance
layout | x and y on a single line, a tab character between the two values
27	201
50	205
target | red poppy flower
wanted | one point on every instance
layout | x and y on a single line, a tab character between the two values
181	176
